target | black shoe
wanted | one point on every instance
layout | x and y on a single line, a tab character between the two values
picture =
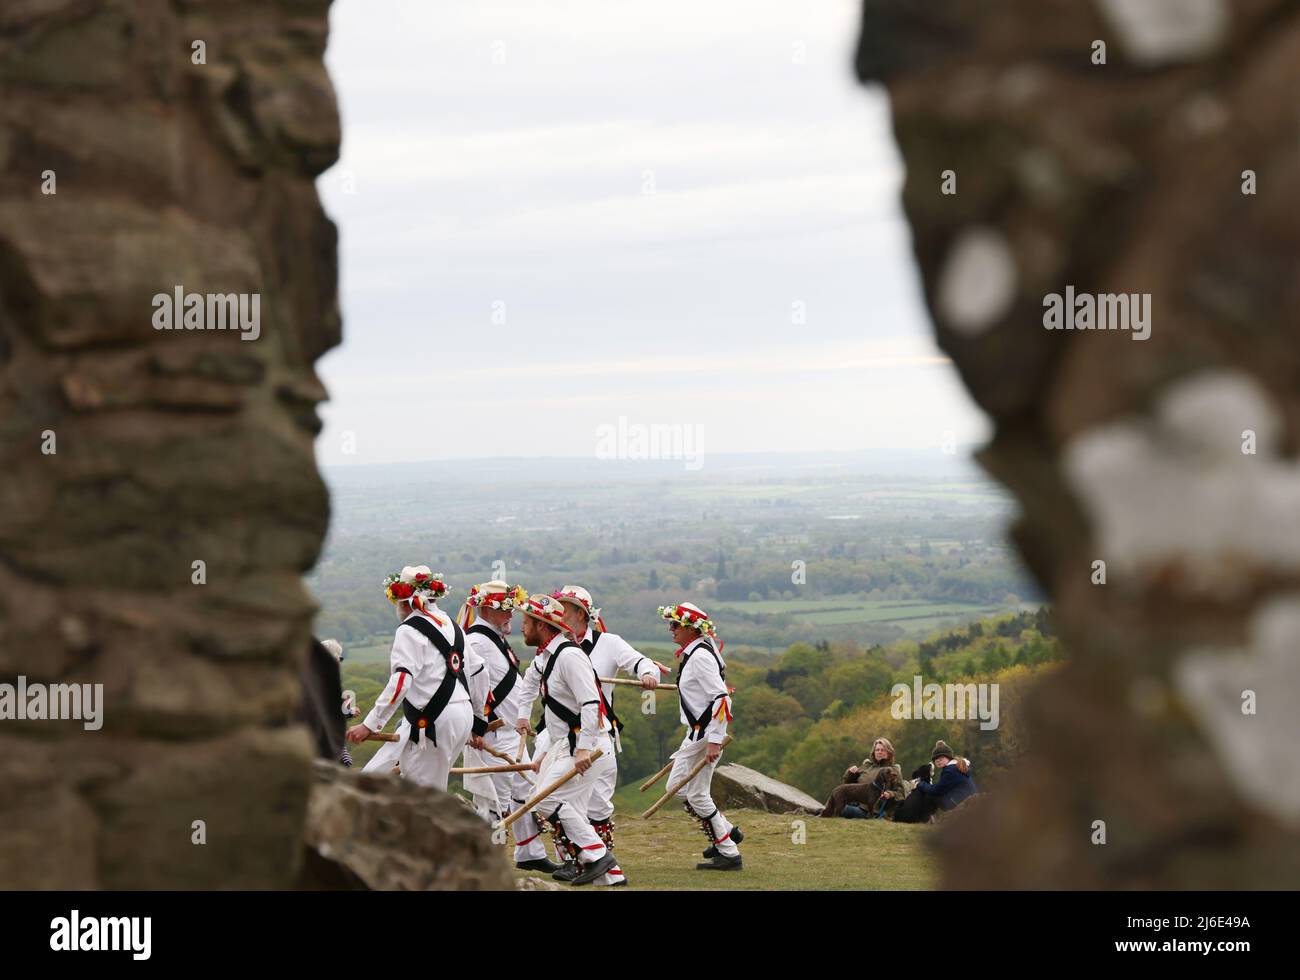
720	863
597	868
537	864
712	849
566	873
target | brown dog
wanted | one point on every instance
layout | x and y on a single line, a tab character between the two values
886	779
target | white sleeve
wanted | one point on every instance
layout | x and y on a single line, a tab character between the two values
402	664
581	680
480	683
631	661
714	684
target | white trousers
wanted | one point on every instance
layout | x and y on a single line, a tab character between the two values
504	792
697	794
601	805
427	764
605	773
569	802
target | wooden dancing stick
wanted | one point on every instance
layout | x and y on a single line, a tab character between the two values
495	725
525	767
523	744
499	754
542	794
672	790
462	770
657	776
628	681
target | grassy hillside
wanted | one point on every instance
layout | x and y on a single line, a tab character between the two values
837	855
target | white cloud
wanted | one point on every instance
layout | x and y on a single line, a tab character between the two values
478	183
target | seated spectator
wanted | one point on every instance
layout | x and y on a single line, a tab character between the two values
945	793
861	784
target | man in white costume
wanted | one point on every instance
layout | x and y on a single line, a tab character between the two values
434	679
705	711
574	721
485	617
609	654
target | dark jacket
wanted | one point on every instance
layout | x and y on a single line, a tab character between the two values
953	786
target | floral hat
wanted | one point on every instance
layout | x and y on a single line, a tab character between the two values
689	614
490	595
546	609
581	598
417	585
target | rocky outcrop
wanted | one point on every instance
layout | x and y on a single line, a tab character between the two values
1157	478
381	832
532	883
737	786
160	499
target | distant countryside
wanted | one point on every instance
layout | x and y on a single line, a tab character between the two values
831	577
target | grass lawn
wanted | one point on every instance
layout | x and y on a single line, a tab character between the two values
660	854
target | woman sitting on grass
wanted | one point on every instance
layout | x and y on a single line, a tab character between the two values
856	787
945	793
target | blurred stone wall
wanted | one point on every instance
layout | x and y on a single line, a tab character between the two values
1170	459
134	161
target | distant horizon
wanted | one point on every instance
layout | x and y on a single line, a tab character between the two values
963	452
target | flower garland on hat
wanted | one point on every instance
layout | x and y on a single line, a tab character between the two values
418	586
577	594
491	595
688	614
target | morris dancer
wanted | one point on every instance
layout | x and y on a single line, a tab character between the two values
572	710
429	680
706	710
485	617
609	653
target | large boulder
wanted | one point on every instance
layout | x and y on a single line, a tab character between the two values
741	787
371	831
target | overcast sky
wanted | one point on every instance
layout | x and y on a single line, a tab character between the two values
556	214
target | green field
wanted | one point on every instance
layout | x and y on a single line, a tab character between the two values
911	613
660	854
373	651
914	616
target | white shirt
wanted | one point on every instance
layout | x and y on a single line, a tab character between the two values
497	665
573	684
699	684
611	654
424	670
